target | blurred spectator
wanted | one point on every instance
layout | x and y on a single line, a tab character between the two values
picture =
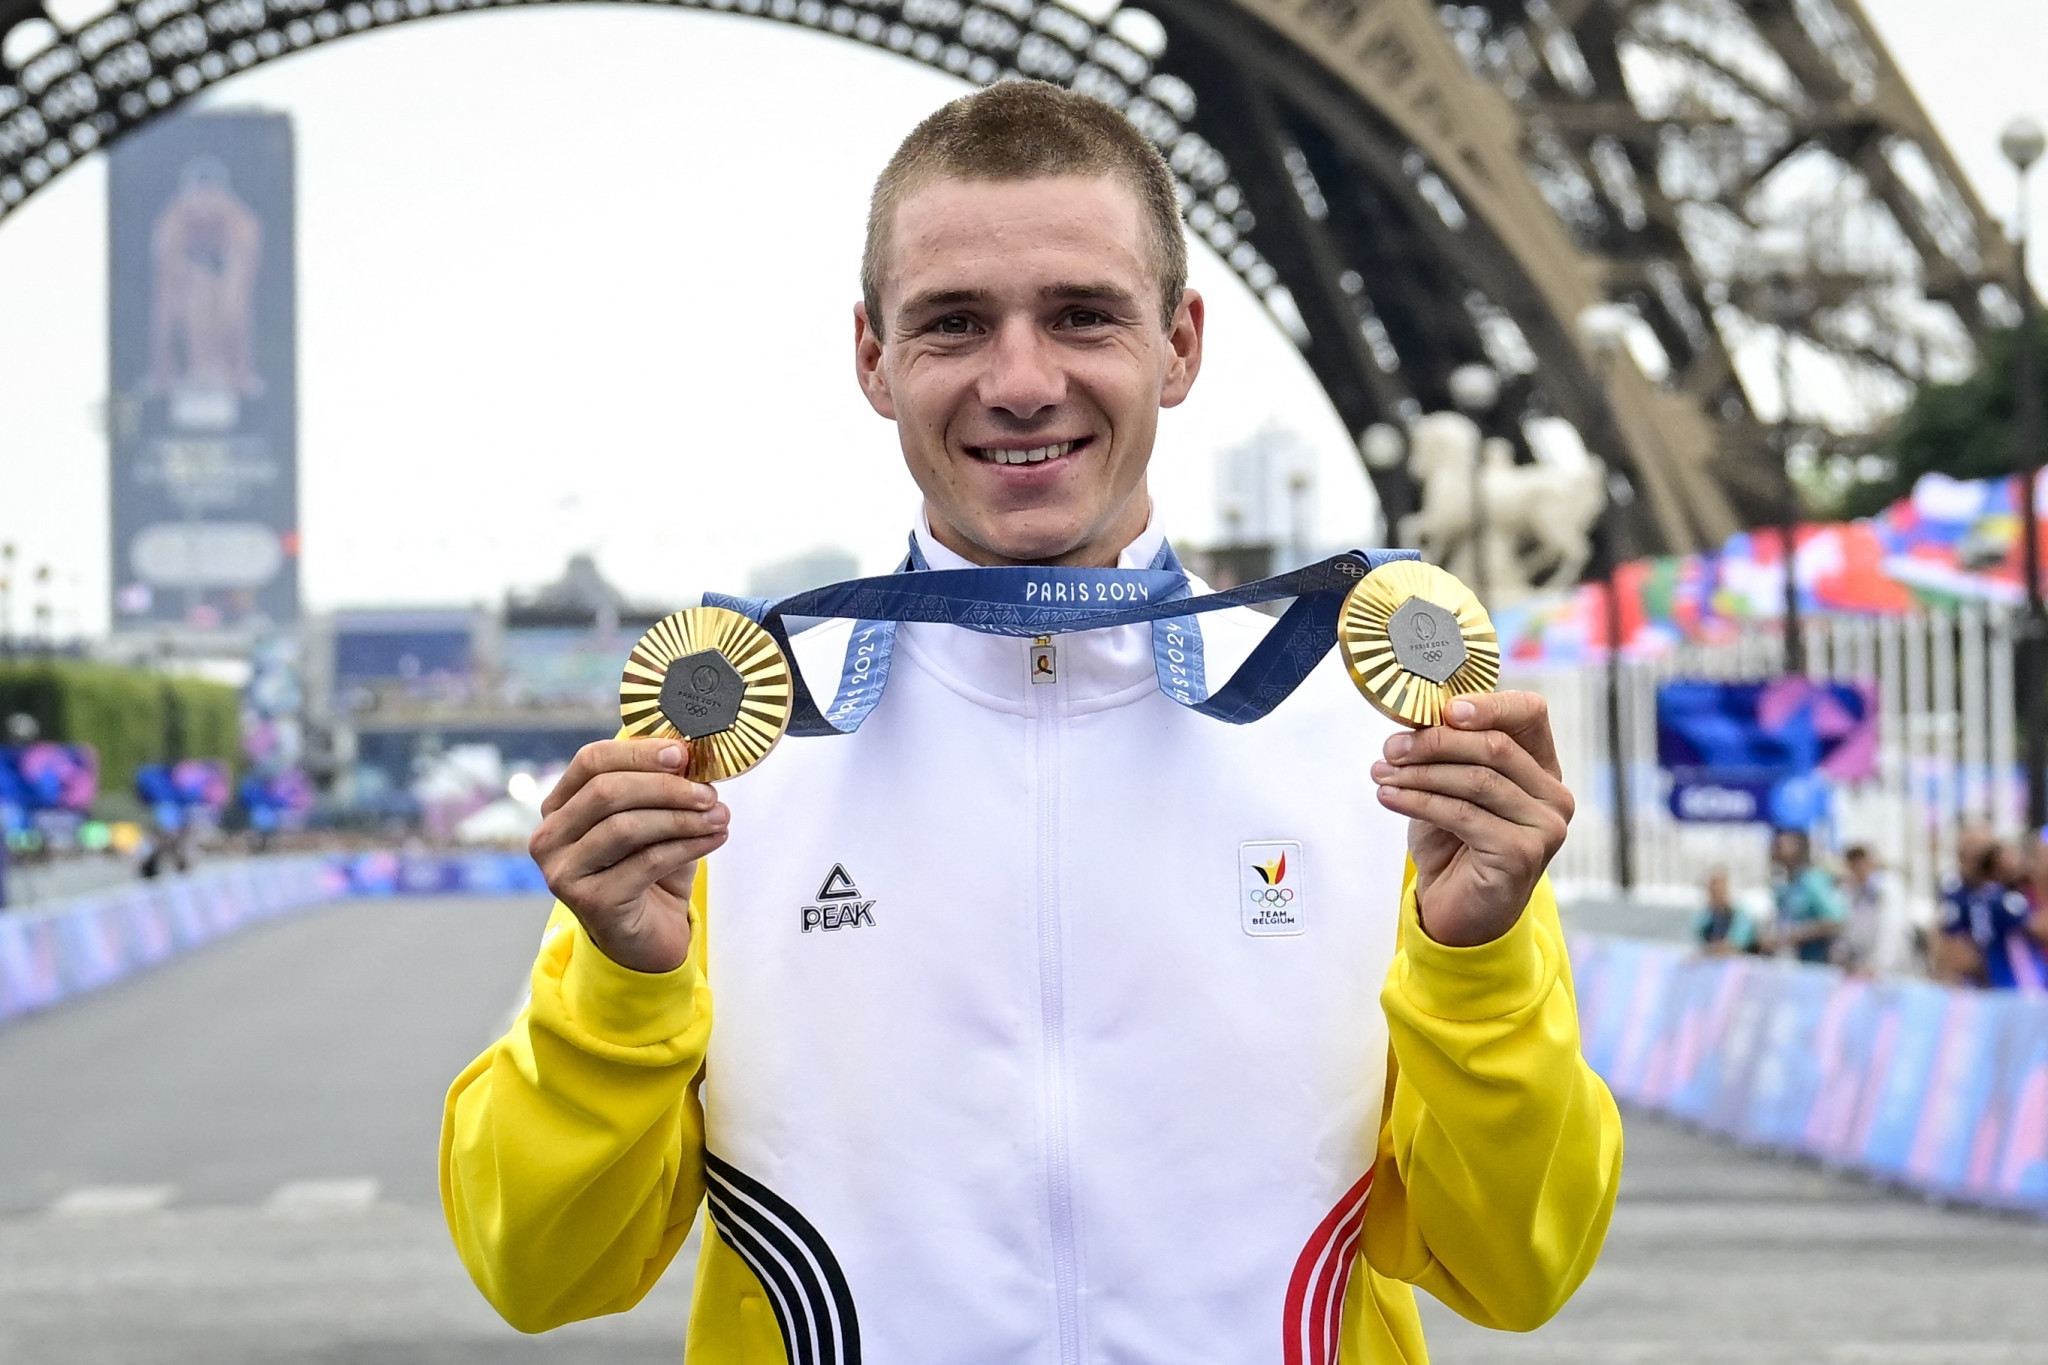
2034	886
2026	943
1952	955
1809	906
1863	889
168	853
1991	934
1724	928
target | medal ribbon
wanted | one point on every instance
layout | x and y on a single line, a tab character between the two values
1030	602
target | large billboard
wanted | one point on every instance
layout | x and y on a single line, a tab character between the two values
204	409
1763	752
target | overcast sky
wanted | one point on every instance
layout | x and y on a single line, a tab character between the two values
580	279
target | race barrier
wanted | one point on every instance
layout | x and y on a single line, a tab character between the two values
438	874
51	953
1940	1090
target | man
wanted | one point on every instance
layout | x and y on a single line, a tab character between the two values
2031	974
1953	957
1809	906
1058	1089
1858	948
2025	927
1990	933
1724	928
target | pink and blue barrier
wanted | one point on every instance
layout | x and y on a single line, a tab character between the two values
440	874
51	953
1940	1090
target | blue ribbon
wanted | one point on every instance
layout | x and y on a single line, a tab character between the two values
1030	602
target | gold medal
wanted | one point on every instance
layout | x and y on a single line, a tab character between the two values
713	677
1413	637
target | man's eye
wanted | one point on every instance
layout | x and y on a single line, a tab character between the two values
1087	317
953	325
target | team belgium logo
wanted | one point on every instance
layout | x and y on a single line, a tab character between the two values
1274	876
1269	887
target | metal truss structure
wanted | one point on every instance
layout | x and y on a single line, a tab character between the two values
1408	188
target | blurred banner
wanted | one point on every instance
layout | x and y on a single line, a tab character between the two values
1952	543
203	373
1743	752
1940	1090
45	785
177	794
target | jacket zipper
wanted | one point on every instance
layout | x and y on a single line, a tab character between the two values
1052	1006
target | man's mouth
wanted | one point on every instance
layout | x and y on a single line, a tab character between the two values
1034	455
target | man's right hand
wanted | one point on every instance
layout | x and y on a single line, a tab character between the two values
619	840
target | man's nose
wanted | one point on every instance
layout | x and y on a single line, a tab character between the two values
1023	377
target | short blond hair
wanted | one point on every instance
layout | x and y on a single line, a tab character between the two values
1025	130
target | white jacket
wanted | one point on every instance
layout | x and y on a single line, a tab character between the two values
1029	1045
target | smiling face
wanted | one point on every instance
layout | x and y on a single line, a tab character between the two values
1022	356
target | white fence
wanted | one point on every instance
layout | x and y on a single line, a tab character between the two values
1947	753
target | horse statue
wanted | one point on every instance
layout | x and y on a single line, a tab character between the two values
1538	517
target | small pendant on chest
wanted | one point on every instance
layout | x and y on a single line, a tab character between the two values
1045	660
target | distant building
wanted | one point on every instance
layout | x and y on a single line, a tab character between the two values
811	569
580	597
408	649
535	679
562	646
1227	566
1265	492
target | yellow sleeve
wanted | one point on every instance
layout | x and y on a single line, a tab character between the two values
1500	1154
572	1151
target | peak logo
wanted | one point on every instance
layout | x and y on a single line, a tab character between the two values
1269	890
839	904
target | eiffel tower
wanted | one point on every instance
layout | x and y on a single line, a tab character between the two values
1409	188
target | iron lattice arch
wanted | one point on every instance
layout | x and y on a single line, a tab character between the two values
1408	188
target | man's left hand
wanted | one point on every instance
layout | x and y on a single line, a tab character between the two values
1487	809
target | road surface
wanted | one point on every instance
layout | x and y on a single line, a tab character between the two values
230	1160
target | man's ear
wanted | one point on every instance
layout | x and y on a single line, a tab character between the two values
1184	342
867	364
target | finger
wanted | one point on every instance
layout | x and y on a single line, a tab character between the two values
626	882
1483	787
1494	749
619	838
681	882
1432	849
615	756
1524	716
1497	841
609	793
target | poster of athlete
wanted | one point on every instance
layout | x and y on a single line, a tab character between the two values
203	379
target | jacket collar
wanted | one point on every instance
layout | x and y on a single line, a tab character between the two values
1097	668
